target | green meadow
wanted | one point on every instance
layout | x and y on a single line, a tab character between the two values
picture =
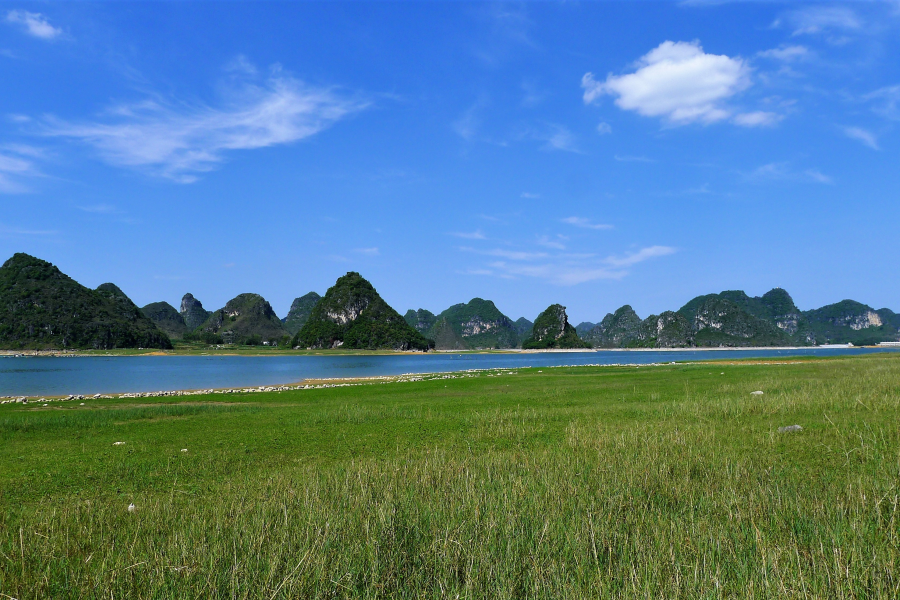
587	482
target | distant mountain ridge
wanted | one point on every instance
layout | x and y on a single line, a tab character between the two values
41	307
734	319
475	324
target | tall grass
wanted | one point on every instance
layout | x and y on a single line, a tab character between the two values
582	483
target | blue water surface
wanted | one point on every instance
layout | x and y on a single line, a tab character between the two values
54	376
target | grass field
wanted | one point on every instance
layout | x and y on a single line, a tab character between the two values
650	482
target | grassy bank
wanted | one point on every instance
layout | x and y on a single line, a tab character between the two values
566	482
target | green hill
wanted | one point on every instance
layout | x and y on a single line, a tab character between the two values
40	307
853	322
552	330
523	329
300	310
445	337
245	319
421	320
584	327
353	315
166	318
478	324
192	312
728	319
621	329
665	330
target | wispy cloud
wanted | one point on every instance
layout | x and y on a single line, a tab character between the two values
561	267
530	195
100	209
554	136
585	223
757	119
469	235
469	122
179	140
507	254
886	102
786	53
15	166
34	24
552	242
604	128
820	19
627	158
676	81
866	137
781	171
633	258
573	269
18	231
368	251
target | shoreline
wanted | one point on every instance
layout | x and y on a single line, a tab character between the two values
331	382
131	352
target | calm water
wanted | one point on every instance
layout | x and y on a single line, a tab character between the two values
36	376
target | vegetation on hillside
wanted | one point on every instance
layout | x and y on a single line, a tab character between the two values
479	324
421	320
299	313
40	307
552	330
166	318
353	315
247	318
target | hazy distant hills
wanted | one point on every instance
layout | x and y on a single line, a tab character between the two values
40	307
734	319
300	310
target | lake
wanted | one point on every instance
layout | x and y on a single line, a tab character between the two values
53	376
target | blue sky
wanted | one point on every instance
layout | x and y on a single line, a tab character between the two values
592	154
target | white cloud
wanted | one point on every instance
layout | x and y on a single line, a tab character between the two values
572	269
14	167
34	24
604	128
368	251
555	137
584	223
676	81
817	176
781	171
818	19
757	119
887	101
552	242
641	255
530	195
626	158
467	125
16	231
866	137
100	209
473	235
179	141
786	53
